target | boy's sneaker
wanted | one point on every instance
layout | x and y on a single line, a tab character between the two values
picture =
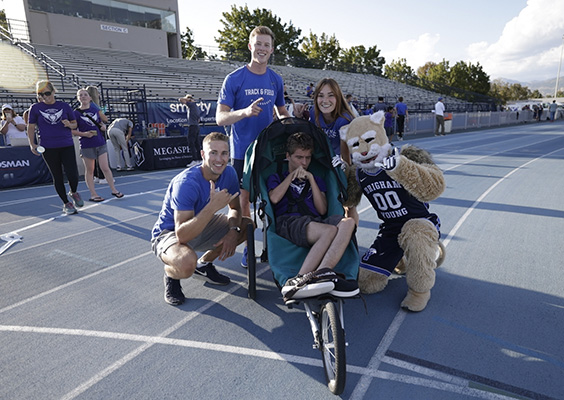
69	208
173	291
309	285
209	274
244	262
76	199
345	288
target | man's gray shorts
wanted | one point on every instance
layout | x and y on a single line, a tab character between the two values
214	231
294	227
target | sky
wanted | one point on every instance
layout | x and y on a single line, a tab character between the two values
518	40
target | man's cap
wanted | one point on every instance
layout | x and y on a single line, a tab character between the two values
189	96
4	106
440	98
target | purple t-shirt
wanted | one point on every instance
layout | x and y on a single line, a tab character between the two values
48	118
332	129
240	89
85	124
189	191
295	190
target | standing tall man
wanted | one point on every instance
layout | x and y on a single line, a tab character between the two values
193	116
440	117
247	101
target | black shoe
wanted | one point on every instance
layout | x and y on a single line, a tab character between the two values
309	285
209	274
173	291
345	288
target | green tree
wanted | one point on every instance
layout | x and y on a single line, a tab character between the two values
321	52
469	77
240	21
399	71
358	59
190	51
3	20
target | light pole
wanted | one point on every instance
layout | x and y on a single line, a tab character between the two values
559	65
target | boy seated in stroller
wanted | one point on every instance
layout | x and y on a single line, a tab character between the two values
300	204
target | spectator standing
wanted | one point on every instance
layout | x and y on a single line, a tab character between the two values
189	221
55	120
13	126
95	98
401	117
552	110
350	102
91	131
193	116
389	123
247	100
369	110
440	117
380	106
120	131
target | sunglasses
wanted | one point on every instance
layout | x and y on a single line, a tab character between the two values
45	94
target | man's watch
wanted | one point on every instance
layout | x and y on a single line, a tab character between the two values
235	228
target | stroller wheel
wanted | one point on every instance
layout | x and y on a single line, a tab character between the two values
333	347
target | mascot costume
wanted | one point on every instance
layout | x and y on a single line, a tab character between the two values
399	185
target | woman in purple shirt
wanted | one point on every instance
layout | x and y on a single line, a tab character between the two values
93	146
55	120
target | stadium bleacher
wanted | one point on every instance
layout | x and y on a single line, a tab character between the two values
168	78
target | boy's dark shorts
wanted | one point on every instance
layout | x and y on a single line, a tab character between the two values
294	227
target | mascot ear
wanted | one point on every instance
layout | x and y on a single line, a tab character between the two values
377	117
343	132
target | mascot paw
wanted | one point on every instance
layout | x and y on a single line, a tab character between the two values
416	301
371	282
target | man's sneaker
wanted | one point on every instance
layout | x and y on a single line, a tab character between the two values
345	288
244	262
209	274
76	199
69	208
309	285
173	291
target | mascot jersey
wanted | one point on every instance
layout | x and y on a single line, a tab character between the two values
393	204
240	89
48	118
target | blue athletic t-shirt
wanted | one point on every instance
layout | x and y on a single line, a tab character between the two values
332	129
48	118
189	191
240	89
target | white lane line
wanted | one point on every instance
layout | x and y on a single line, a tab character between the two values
60	287
130	356
452	385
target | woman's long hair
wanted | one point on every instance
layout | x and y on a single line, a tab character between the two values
342	108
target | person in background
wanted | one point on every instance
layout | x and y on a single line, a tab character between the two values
401	117
55	120
247	101
91	131
380	106
193	116
95	96
440	117
309	90
12	125
350	102
190	220
552	110
120	131
389	123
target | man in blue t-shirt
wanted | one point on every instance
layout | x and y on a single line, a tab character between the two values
189	221
247	100
300	206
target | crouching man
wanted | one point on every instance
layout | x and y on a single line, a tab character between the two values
190	222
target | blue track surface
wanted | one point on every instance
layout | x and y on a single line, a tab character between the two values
82	312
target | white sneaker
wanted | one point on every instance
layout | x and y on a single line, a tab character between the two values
96	180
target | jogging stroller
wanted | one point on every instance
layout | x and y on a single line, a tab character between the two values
266	156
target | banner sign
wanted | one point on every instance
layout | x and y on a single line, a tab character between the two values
161	153
176	113
20	167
